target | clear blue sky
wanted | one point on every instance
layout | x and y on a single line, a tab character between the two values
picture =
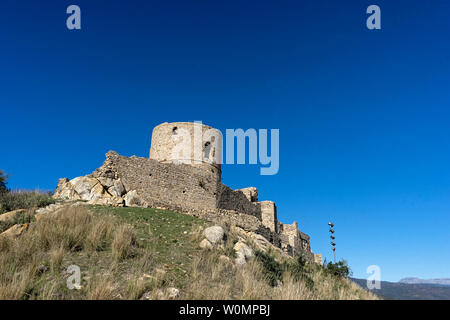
363	115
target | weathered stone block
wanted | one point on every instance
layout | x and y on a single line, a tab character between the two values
269	215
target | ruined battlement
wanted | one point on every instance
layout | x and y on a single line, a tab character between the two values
187	184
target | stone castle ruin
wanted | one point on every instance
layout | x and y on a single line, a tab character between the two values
179	175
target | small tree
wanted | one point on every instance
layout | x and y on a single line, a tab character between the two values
300	270
339	269
272	269
3	178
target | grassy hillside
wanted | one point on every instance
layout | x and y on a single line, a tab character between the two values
137	253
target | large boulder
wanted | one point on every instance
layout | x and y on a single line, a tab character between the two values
102	190
84	185
65	190
214	234
117	189
205	244
132	199
243	253
260	242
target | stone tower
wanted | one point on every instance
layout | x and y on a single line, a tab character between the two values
191	143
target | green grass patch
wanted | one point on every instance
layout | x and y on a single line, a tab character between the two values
166	234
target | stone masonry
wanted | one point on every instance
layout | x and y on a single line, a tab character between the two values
195	187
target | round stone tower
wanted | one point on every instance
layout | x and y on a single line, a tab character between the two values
188	142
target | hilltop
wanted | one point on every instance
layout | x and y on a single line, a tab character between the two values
146	253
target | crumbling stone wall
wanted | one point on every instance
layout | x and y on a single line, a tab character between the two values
269	215
251	193
172	186
190	185
236	200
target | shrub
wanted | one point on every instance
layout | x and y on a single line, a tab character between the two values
14	200
273	270
299	271
339	269
229	248
3	178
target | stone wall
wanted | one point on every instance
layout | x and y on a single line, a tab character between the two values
318	258
269	215
236	200
135	181
294	241
251	193
172	186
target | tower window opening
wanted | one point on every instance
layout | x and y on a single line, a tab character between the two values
207	149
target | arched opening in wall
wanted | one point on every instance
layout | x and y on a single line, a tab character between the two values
175	130
207	150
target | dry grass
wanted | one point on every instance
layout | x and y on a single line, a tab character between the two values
100	235
31	266
69	230
124	240
215	279
102	288
120	261
56	256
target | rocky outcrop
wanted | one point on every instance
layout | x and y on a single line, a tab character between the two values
243	253
213	237
103	190
9	216
133	200
205	244
214	234
15	231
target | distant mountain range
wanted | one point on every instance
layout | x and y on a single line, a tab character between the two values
441	282
411	289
